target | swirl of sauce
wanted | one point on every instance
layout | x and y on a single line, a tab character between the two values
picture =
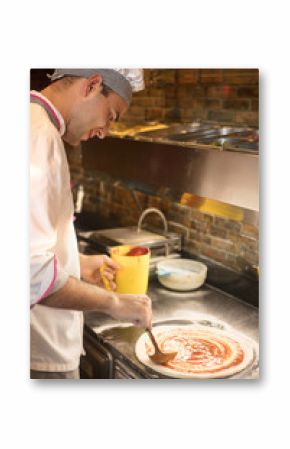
200	351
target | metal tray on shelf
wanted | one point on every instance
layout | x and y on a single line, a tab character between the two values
242	143
231	142
174	129
208	133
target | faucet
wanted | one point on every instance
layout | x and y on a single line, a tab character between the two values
149	211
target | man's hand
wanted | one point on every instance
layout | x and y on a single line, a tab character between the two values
134	308
79	295
90	270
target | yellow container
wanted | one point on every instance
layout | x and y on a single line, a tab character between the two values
133	275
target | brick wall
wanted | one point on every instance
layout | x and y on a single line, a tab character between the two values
230	242
223	95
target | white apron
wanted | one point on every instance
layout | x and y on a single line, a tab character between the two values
56	334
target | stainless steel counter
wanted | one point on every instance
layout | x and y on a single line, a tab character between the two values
205	303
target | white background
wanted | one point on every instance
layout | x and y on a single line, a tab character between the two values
207	34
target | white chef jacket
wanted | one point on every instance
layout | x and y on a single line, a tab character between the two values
56	334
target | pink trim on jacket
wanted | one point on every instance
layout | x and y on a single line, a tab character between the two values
50	285
49	107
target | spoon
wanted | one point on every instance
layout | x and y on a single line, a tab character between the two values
159	357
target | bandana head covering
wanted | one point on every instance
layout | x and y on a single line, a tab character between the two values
121	81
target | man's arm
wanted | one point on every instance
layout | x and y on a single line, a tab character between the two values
79	295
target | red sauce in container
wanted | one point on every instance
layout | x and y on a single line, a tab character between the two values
137	251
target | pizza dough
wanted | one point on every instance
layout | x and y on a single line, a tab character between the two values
202	352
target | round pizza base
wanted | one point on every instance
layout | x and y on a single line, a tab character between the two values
245	344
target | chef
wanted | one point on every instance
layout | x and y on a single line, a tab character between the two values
78	105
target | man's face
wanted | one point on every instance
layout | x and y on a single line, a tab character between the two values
93	113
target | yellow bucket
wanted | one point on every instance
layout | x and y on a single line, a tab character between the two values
133	275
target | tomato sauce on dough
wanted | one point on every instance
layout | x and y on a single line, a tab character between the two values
200	352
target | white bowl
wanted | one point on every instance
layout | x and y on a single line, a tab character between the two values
181	274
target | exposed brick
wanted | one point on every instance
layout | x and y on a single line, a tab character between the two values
243	262
254	105
210	76
232	225
241	76
212	253
231	261
181	214
197	215
178	229
90	190
200	236
153	221
163	77
195	235
74	157
148	102
248	243
137	112
89	205
172	114
76	176
184	92
118	194
170	103
211	104
188	115
199	225
237	104
124	196
248	91
153	92
214	92
249	230
247	117
218	232
154	114
154	201
187	76
165	203
117	209
192	246
159	102
128	220
147	74
187	100
199	91
233	235
142	199
222	244
170	91
221	116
